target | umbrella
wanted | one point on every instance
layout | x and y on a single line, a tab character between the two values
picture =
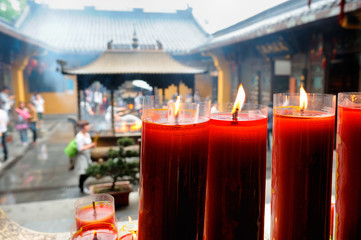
23	113
142	84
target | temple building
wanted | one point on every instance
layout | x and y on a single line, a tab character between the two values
314	43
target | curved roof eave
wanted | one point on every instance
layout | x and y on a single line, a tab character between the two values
12	32
134	62
297	17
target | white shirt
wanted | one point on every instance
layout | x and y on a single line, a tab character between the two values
4	119
98	97
83	160
82	140
5	99
138	102
39	105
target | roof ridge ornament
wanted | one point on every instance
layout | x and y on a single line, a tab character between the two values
110	44
159	45
135	43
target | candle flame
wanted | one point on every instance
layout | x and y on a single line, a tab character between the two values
134	237
129	219
303	99
177	106
241	97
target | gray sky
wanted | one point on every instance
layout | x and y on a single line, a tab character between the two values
212	15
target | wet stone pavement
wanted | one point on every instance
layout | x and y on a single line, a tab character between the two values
41	172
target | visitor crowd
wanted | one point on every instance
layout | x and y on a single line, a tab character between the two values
21	116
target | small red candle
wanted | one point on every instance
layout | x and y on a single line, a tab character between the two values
85	215
94	208
96	231
235	194
348	167
173	173
129	236
302	166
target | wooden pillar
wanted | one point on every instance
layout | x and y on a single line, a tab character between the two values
224	80
18	77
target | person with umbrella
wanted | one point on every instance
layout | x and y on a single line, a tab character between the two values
138	103
22	122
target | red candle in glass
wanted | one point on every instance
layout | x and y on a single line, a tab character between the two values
94	208
128	236
104	213
235	194
96	231
348	167
173	173
302	167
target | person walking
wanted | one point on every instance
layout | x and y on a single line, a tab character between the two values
32	120
22	122
39	106
83	160
4	121
6	99
97	100
196	97
138	103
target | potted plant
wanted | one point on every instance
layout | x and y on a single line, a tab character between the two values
122	166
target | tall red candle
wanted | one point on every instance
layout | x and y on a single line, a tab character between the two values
236	173
348	167
173	176
302	167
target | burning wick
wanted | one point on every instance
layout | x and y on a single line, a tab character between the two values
95	236
235	115
303	100
134	236
95	212
176	109
238	104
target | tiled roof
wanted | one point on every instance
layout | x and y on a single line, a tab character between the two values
134	61
89	30
12	31
288	15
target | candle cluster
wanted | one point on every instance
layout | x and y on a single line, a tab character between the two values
203	175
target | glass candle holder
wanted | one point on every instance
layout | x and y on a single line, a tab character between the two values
235	195
173	170
303	140
94	208
94	231
348	167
